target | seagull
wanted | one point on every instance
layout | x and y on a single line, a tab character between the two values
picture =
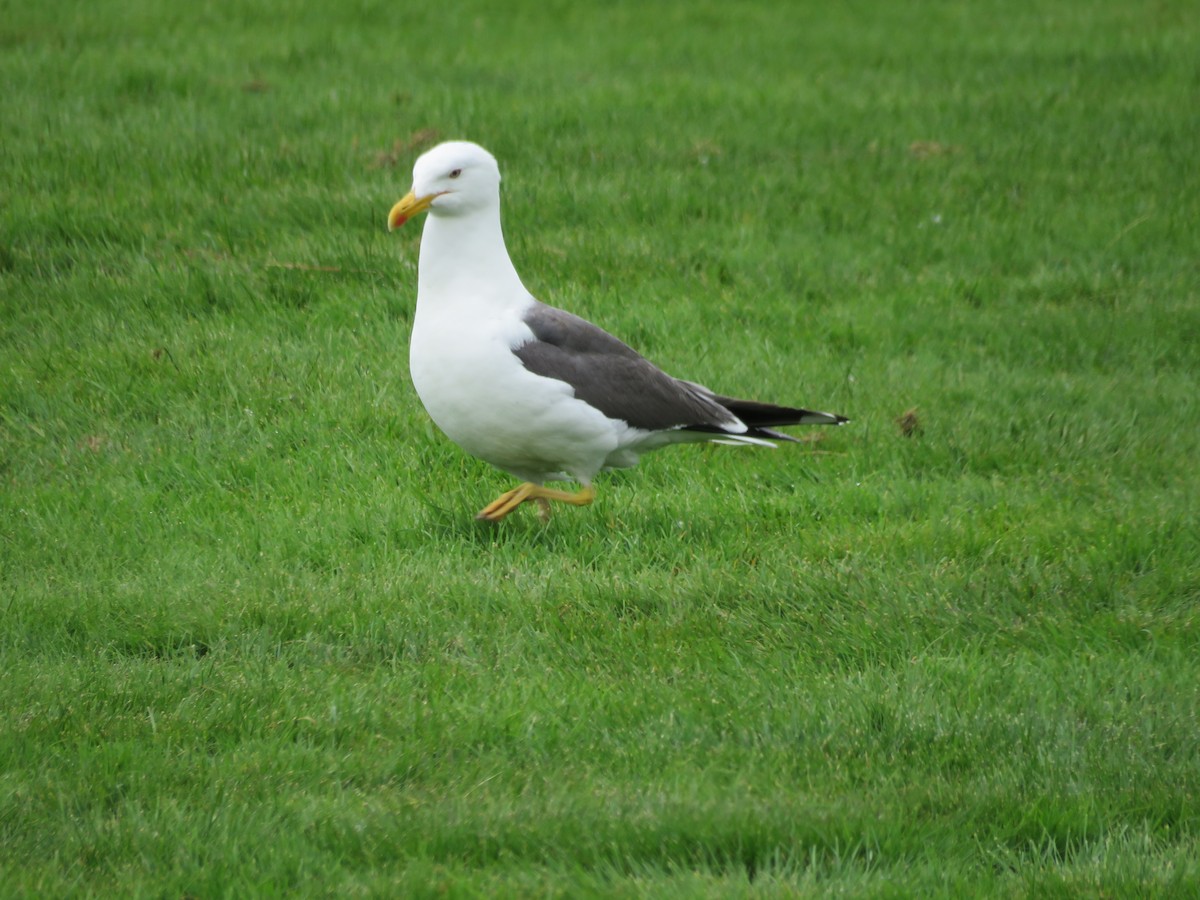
536	391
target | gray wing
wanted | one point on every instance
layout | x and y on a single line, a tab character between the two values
613	377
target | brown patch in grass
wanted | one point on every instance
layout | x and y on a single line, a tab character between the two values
403	148
928	149
909	423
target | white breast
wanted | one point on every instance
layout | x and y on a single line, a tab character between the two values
488	403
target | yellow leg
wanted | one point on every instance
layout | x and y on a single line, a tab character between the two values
522	493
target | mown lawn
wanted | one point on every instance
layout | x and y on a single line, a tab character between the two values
252	641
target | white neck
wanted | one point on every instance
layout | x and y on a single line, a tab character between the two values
464	256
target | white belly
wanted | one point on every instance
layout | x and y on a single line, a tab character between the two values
488	403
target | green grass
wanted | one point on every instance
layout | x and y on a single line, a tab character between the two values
252	642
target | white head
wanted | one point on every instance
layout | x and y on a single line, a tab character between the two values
453	178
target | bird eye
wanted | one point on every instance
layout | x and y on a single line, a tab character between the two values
456	173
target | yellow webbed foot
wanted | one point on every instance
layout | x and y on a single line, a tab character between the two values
522	493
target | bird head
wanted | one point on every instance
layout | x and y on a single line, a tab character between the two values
451	179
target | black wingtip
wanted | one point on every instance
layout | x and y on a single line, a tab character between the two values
802	417
808	417
768	415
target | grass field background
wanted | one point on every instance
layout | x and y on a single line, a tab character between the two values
252	641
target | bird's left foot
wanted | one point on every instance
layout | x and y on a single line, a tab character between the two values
523	493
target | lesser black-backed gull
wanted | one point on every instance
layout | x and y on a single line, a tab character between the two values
534	390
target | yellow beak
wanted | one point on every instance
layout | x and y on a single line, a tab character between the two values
408	207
